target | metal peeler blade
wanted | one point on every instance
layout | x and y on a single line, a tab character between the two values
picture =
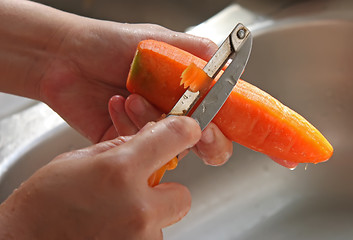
235	52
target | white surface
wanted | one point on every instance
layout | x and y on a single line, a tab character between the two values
224	22
10	104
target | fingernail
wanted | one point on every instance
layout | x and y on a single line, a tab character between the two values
117	103
137	106
207	136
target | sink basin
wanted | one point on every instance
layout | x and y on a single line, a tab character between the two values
306	63
174	14
252	198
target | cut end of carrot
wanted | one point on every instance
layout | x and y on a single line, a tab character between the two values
195	79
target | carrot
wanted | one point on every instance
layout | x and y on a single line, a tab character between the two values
250	116
155	73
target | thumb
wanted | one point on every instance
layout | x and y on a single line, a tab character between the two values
172	202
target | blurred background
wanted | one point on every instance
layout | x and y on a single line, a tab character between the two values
175	14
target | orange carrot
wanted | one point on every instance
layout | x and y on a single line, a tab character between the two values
250	116
155	73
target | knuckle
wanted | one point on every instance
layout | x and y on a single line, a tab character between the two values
215	155
117	141
176	126
114	169
75	154
62	156
156	27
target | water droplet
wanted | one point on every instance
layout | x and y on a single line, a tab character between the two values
306	166
203	108
231	81
293	168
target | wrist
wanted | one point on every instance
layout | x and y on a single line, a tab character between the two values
28	213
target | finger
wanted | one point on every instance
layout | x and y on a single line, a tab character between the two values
201	47
122	123
214	148
140	111
172	202
109	134
94	149
158	143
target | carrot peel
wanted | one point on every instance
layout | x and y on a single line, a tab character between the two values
195	79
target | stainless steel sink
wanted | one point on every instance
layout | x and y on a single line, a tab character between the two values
307	65
174	14
304	60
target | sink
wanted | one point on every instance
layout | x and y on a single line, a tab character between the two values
306	63
174	14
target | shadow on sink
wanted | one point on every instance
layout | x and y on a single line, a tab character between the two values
308	66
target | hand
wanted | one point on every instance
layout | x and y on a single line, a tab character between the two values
76	64
94	68
91	65
132	114
101	192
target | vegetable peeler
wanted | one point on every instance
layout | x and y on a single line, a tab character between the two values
234	52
